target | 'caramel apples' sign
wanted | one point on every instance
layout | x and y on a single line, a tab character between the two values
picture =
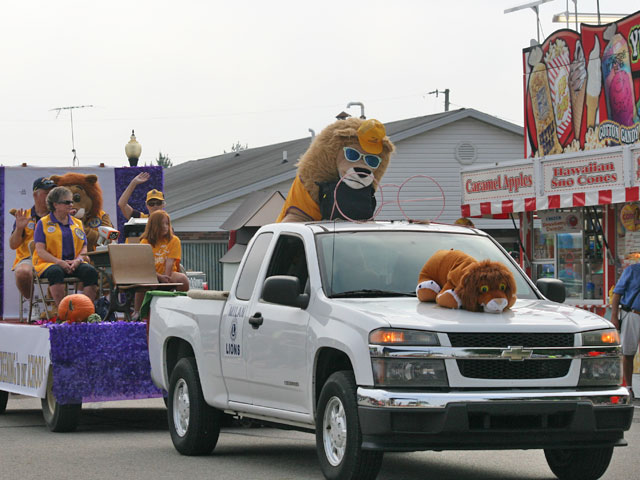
499	183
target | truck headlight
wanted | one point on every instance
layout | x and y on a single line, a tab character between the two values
599	367
601	338
396	336
600	371
408	372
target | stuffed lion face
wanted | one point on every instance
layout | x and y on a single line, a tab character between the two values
487	286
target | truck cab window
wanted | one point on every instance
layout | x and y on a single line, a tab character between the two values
251	268
289	259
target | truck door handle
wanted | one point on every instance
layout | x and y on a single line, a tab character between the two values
256	320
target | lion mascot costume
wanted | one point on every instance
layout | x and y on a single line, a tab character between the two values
456	280
343	160
87	200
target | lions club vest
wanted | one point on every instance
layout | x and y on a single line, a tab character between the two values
53	236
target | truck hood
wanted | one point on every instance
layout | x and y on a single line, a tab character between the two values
524	316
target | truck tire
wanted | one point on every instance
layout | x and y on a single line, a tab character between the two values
579	463
194	425
338	435
4	397
59	418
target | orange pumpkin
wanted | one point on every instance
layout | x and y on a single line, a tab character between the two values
75	308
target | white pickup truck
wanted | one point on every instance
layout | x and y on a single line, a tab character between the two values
322	332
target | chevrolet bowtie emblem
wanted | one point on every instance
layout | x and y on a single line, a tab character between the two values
516	354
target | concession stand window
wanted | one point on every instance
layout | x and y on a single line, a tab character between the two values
568	245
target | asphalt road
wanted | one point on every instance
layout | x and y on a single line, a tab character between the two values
129	440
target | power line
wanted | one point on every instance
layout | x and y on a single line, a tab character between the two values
73	143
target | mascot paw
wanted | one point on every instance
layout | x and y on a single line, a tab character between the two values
449	299
427	291
497	305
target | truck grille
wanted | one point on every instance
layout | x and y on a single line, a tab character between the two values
504	340
506	369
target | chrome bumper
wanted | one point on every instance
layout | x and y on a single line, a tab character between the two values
373	397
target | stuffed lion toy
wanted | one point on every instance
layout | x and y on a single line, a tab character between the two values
87	200
354	150
457	280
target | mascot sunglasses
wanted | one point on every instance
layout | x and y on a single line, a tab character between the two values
354	155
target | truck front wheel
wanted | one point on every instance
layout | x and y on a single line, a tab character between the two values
4	396
579	464
59	418
338	436
194	425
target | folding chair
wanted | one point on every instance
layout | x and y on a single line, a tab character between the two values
43	282
132	270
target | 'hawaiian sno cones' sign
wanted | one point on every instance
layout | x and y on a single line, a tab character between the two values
582	90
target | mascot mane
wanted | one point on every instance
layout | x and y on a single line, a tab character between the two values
318	163
89	183
486	272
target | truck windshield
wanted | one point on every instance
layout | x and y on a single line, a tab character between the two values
378	264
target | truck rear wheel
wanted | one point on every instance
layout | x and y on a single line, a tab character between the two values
579	464
338	435
59	418
194	425
4	397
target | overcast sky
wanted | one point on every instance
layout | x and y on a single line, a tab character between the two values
192	77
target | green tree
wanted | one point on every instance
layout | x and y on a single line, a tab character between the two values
164	161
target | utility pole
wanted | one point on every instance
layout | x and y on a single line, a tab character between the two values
76	163
446	97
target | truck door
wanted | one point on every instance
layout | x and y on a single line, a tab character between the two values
276	346
234	321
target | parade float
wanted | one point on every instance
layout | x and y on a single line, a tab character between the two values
74	357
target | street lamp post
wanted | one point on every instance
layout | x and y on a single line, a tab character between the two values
133	149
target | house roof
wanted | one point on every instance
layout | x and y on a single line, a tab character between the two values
198	184
255	210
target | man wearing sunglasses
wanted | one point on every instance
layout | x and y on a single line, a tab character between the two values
155	199
22	234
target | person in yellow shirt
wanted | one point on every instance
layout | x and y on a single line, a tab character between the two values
167	251
22	234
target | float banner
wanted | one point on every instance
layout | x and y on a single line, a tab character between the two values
560	222
24	359
582	90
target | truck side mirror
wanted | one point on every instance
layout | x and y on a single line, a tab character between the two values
284	290
552	288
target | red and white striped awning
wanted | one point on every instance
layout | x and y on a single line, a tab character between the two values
566	200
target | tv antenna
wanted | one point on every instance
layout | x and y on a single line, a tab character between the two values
76	163
533	6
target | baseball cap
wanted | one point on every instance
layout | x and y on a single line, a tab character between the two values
370	135
155	194
43	183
